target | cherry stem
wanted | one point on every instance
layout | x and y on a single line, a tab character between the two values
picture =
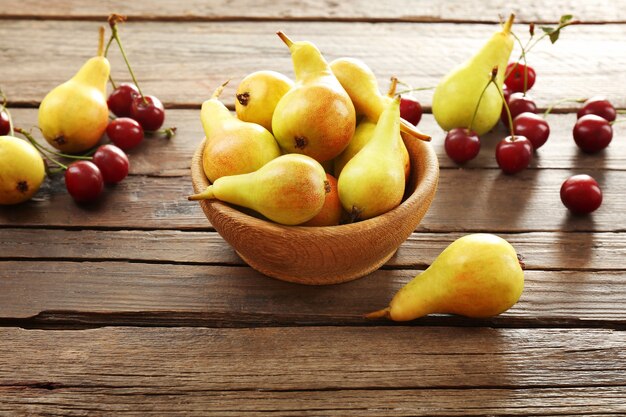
169	133
43	150
621	111
494	73
414	89
565	100
622	120
6	110
106	52
508	112
116	36
523	57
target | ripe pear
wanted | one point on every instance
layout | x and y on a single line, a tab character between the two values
361	85
330	214
316	117
478	275
232	146
373	181
457	94
74	115
257	96
290	189
22	170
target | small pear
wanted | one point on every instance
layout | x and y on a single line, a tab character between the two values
373	181
232	146
478	275
290	189
258	94
361	85
22	170
316	117
458	93
74	115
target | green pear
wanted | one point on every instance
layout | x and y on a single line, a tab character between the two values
74	115
232	146
316	117
478	275
458	93
373	181
258	94
361	85
290	189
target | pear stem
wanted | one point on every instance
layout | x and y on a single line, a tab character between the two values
116	36
204	195
506	29
564	100
392	87
101	41
378	314
6	110
218	90
494	73
284	38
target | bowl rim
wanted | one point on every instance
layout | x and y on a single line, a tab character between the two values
424	186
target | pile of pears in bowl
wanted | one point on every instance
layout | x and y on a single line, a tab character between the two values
317	181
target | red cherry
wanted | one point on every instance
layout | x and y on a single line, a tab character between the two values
83	181
125	132
150	115
121	99
513	154
5	126
533	127
581	194
592	133
515	80
600	107
461	145
518	103
113	163
410	110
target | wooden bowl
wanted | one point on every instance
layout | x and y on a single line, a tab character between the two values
324	255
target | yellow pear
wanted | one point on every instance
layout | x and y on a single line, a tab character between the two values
316	117
290	189
22	170
257	96
74	115
373	181
478	275
232	146
458	93
361	85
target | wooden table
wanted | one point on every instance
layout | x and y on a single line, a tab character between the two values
137	306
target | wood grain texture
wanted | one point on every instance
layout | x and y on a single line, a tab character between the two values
182	63
314	358
134	401
401	10
541	250
101	293
158	156
466	200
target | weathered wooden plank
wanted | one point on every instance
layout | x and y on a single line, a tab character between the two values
135	293
541	250
466	200
422	11
183	63
162	157
313	358
599	401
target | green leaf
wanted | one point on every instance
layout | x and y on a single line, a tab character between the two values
566	18
554	36
547	29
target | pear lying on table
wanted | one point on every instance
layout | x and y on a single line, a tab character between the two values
457	94
290	189
478	275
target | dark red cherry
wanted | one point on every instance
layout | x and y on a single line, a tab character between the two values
124	132
592	133
513	154
532	126
149	112
518	103
515	80
410	109
121	99
581	194
112	162
461	145
83	181
599	106
5	125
